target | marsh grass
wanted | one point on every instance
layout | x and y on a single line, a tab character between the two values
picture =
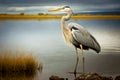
17	63
48	16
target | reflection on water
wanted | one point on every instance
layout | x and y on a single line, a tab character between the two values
44	38
17	76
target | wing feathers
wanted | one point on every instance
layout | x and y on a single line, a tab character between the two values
82	36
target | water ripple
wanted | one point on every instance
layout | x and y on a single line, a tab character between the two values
111	49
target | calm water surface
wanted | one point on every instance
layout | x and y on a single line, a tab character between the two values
45	39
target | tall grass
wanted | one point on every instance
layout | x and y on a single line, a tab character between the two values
17	63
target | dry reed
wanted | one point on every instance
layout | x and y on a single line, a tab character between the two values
17	63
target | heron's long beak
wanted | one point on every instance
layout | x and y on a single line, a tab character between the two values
56	10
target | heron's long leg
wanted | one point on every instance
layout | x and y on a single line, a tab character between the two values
77	59
83	57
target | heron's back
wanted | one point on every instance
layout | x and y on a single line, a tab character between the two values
81	36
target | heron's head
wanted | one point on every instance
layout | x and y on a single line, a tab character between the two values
63	8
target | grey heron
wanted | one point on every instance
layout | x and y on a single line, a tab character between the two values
77	35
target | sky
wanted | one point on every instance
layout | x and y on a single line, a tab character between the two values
42	6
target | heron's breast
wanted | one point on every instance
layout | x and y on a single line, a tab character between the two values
67	36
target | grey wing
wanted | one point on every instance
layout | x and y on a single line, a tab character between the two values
82	36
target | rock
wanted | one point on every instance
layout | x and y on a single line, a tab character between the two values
117	77
93	76
57	78
87	76
106	78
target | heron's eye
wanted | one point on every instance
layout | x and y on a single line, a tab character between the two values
67	7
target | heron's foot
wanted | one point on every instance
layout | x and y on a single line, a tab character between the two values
75	73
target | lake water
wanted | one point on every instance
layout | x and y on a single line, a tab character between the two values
45	40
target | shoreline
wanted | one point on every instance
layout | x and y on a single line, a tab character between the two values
47	16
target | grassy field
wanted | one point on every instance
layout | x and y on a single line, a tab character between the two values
47	16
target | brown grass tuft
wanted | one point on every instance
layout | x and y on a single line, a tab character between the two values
17	63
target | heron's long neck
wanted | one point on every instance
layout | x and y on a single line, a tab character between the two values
65	18
65	29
